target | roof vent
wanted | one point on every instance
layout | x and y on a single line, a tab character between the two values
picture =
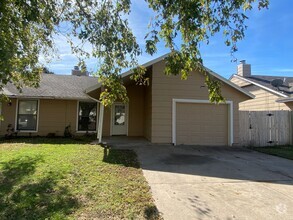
277	83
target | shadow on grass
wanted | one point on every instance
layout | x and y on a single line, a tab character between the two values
49	140
127	158
38	198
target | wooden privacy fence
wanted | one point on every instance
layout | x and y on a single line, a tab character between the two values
265	128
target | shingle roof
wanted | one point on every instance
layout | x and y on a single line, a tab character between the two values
286	88
55	86
159	59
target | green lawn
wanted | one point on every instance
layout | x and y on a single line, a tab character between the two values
67	179
281	151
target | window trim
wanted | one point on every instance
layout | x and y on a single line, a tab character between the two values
16	116
77	117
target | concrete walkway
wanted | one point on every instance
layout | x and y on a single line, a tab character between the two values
217	182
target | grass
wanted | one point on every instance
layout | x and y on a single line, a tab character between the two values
68	179
281	151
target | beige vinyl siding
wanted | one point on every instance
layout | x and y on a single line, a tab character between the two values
55	115
165	88
95	94
136	110
8	112
148	111
107	121
264	101
290	105
239	82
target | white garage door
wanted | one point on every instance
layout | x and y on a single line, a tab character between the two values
201	124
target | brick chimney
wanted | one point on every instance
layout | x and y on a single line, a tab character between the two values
77	72
244	69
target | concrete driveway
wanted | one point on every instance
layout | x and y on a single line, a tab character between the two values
218	182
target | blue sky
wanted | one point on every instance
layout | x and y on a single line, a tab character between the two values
267	46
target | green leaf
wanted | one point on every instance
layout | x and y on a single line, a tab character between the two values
28	28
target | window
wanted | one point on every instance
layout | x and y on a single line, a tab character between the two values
119	118
27	115
87	114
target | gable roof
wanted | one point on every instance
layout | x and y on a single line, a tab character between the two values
264	82
129	72
230	83
154	61
54	87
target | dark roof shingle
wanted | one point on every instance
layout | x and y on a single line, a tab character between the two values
286	88
55	86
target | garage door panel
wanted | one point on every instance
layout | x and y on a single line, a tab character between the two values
201	124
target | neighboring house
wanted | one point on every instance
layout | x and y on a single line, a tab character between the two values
265	120
272	93
169	110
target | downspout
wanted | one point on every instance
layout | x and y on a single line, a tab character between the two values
101	117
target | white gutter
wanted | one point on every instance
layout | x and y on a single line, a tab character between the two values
284	100
93	98
261	86
45	97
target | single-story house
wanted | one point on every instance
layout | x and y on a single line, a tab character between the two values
272	93
168	110
58	102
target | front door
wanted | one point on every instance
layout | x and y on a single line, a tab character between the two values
119	119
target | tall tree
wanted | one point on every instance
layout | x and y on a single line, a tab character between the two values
28	27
